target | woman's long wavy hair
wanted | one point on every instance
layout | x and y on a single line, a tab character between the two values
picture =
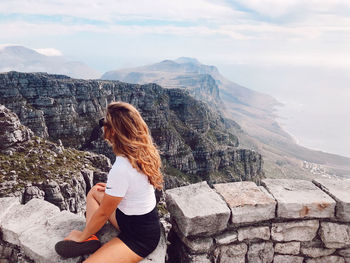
129	135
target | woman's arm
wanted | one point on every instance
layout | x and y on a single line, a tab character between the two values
99	218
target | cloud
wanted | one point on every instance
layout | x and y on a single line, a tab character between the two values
112	10
278	8
312	32
51	52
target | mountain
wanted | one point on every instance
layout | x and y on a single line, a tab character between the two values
253	111
24	59
195	142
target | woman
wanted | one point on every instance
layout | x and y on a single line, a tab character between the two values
128	199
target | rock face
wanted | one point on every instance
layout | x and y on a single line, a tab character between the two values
31	167
33	230
12	131
193	140
277	239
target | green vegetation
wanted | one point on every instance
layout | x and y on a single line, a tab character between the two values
40	160
162	209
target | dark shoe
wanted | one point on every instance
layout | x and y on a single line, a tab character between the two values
72	249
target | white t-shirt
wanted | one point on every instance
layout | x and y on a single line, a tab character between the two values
125	181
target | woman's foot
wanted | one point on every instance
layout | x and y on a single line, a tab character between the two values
72	249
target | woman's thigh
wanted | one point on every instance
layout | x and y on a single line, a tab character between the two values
115	251
98	197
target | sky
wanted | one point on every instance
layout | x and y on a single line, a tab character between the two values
295	50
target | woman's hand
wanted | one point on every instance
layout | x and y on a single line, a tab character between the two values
101	187
75	235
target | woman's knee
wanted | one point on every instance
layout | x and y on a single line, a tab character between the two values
93	191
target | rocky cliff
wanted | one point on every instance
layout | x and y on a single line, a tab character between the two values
32	167
193	140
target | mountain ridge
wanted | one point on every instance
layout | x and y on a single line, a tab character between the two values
255	113
193	140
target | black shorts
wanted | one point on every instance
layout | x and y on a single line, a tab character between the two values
141	233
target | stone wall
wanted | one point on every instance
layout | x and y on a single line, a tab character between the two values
282	221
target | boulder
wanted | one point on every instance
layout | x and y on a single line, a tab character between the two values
339	190
300	199
197	209
6	205
247	202
21	218
38	225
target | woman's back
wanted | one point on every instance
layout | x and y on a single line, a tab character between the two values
125	181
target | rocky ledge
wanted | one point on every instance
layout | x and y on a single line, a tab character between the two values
29	232
285	221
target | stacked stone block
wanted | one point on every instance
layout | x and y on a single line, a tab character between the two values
282	221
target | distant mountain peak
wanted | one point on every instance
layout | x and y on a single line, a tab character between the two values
18	50
184	60
19	58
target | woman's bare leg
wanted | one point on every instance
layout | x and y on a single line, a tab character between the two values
115	251
93	201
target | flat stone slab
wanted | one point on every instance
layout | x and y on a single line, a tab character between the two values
335	235
304	230
339	190
300	199
291	248
226	238
197	209
247	202
260	252
287	259
251	233
327	259
231	253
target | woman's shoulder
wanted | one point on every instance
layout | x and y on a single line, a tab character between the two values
122	161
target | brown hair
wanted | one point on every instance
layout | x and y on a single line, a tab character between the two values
129	135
